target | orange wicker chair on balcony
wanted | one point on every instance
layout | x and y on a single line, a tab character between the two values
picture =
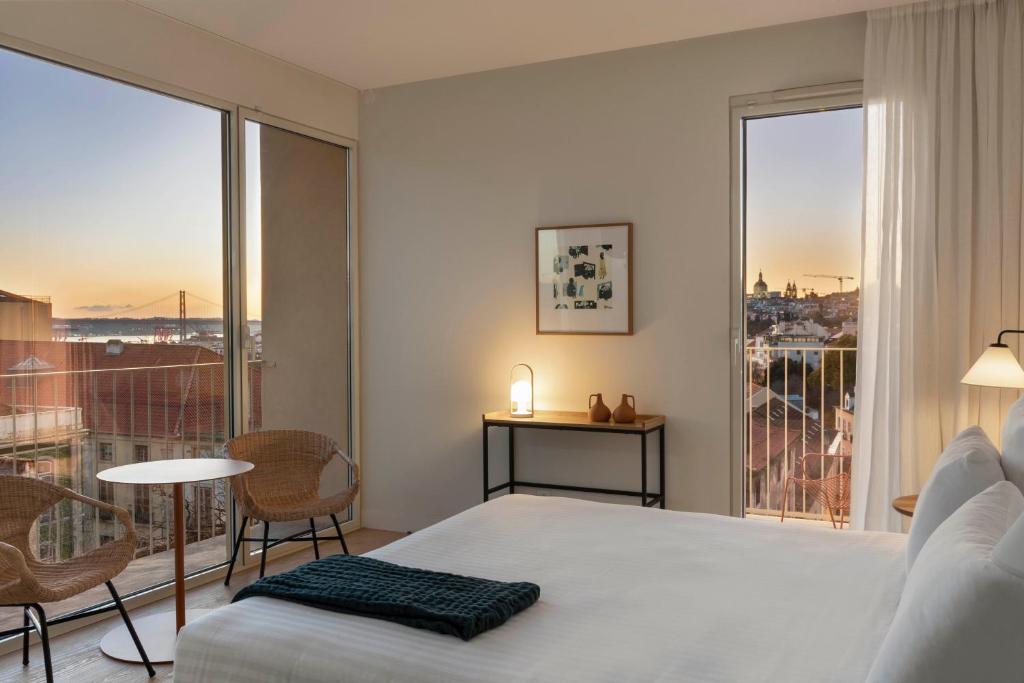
830	488
25	581
284	486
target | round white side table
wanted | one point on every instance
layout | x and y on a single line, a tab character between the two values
159	632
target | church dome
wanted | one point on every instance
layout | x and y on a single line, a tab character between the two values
760	287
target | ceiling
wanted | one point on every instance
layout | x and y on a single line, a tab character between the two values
374	43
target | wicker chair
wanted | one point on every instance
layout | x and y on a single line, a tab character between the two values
25	581
284	486
831	488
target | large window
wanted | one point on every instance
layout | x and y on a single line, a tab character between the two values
116	345
801	214
111	317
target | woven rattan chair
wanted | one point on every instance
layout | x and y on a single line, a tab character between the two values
284	486
25	581
830	488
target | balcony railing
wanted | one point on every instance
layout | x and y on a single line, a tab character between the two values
65	426
799	400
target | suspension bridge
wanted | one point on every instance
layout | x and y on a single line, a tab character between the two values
175	316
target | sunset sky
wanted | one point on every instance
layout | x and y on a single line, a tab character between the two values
111	195
804	176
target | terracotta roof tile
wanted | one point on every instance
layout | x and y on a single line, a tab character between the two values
159	390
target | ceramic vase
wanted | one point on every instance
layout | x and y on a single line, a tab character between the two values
598	411
626	412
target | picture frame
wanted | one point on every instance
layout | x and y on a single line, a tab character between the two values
584	279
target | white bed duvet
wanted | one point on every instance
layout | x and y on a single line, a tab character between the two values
627	594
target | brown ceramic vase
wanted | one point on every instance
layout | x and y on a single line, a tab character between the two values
626	412
598	411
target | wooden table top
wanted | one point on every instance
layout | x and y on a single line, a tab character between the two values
905	504
174	471
575	420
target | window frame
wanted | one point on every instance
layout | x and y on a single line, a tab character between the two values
140	448
831	96
141	501
105	494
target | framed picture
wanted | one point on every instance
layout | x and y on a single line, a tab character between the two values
585	279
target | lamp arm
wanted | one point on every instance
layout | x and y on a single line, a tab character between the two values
999	339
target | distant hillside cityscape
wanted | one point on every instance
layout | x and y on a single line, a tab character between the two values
801	367
79	395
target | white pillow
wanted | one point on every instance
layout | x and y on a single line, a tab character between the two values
961	616
1013	444
968	466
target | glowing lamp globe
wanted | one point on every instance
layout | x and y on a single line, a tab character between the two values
521	391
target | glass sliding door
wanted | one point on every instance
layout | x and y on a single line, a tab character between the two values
111	308
296	233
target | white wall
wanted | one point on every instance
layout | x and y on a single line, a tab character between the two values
142	42
456	173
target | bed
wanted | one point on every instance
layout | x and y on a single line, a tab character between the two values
627	593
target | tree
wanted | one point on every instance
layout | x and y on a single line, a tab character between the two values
829	371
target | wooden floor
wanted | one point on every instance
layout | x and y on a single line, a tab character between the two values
77	656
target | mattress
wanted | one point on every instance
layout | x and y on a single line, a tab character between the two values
627	594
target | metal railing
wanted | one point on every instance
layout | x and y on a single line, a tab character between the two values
798	404
65	426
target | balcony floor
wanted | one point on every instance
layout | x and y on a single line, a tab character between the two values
77	656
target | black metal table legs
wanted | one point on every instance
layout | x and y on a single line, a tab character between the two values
487	479
647	499
643	469
511	460
661	465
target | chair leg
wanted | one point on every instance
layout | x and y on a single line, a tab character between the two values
316	546
131	629
45	637
341	536
263	555
24	638
234	553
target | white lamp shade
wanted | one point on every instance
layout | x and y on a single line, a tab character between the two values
522	398
997	367
520	381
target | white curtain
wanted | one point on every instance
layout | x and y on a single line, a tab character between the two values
942	242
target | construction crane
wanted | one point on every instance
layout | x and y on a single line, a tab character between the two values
834	277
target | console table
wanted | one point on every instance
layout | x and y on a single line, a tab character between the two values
578	422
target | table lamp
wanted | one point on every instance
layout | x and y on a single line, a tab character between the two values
997	366
520	391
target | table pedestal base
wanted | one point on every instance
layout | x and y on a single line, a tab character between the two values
158	635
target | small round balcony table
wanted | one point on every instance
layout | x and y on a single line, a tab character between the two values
159	632
905	504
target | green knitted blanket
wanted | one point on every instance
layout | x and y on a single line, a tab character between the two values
447	603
